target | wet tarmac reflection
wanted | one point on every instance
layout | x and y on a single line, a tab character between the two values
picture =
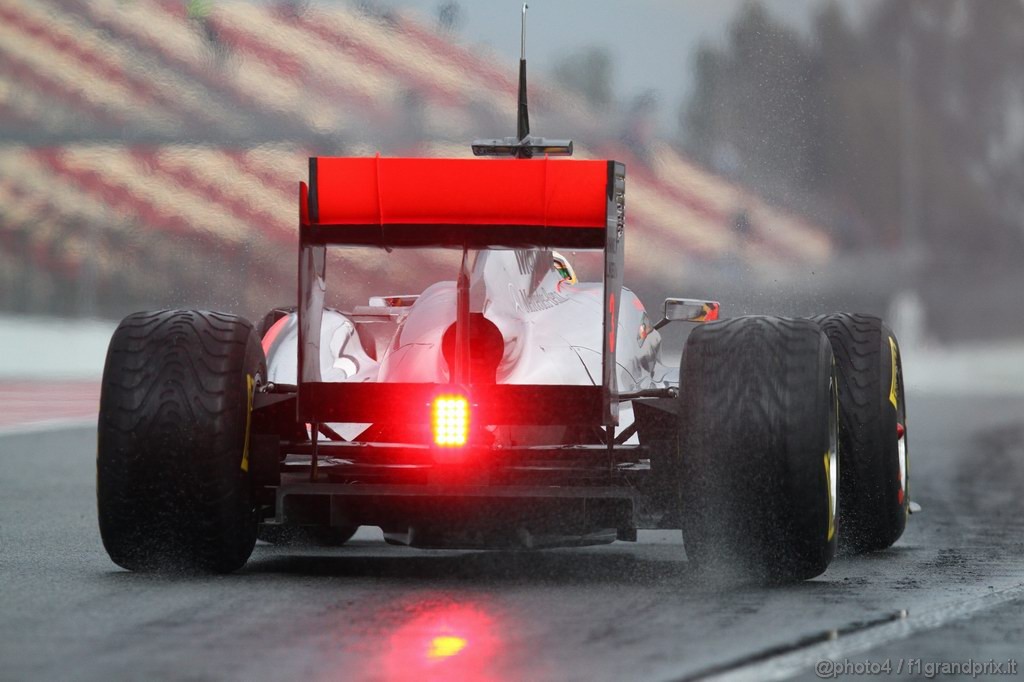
438	639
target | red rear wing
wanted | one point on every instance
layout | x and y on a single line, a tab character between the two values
457	202
464	203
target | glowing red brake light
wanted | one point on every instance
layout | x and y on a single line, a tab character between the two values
450	420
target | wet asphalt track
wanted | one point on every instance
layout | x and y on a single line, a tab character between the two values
951	589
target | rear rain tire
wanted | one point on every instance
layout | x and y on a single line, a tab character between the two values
758	433
172	485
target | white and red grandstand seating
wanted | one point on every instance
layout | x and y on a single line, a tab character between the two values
133	118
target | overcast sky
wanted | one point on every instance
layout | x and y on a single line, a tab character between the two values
652	41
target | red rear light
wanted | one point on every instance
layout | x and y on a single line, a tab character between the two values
450	420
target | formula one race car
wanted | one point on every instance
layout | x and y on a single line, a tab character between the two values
511	407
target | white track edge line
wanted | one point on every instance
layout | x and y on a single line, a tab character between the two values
789	664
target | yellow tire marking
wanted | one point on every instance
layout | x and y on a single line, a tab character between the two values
892	386
248	422
831	502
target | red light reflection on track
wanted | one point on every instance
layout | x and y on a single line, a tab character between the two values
443	642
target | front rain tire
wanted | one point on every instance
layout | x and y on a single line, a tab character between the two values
875	486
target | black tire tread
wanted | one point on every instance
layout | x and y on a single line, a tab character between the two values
871	517
170	489
748	386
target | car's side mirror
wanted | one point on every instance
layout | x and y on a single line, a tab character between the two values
688	310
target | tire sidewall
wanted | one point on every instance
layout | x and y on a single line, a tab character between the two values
893	509
873	516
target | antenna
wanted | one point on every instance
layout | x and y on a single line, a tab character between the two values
523	122
522	146
522	50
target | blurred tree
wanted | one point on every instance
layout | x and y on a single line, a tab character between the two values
588	73
750	106
449	16
198	10
200	14
908	128
961	72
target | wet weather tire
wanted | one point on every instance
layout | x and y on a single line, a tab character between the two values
874	485
173	486
758	461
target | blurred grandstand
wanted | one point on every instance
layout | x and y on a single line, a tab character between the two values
151	151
